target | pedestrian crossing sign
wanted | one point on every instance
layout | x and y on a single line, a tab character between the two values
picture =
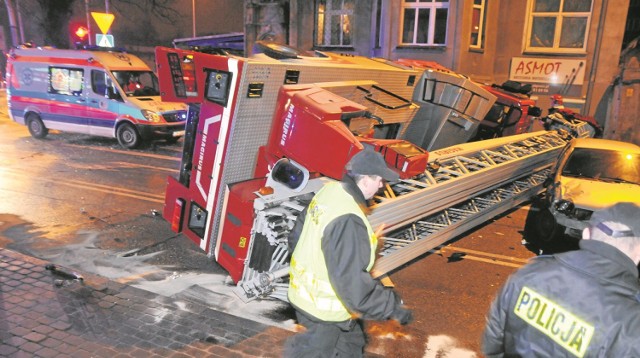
104	40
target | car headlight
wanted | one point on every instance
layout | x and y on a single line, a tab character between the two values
565	206
152	116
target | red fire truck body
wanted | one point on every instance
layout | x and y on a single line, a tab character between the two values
264	134
253	112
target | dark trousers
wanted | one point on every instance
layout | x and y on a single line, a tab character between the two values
325	339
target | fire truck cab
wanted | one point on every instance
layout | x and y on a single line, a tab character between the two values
513	112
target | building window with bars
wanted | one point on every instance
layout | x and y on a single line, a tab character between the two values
333	23
424	22
558	26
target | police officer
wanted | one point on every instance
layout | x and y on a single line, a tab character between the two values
330	287
583	303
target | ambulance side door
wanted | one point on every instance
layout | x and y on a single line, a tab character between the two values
67	105
103	103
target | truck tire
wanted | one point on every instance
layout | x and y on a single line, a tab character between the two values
128	136
36	127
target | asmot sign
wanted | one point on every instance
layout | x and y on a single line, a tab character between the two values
546	70
548	75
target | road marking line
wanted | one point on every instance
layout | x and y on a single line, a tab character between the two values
126	152
495	259
133	165
476	258
448	248
155	198
492	261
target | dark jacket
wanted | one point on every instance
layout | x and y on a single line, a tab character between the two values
587	299
347	253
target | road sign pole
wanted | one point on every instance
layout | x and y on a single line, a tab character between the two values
86	10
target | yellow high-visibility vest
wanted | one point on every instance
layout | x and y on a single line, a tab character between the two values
309	287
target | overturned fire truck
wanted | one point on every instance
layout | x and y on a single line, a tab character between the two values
265	133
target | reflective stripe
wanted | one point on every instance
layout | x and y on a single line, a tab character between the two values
310	288
311	281
554	321
304	282
614	233
325	304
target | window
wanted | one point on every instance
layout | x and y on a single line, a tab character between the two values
138	83
424	22
604	165
558	25
477	24
333	22
378	24
66	81
100	82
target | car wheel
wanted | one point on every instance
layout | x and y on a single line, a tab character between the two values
548	228
541	228
128	136
36	127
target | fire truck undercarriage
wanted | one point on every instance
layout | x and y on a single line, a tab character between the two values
466	185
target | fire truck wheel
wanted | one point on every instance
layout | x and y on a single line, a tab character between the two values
127	136
36	127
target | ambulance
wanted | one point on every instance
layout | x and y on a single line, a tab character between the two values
97	92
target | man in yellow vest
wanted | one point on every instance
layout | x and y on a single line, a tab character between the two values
333	248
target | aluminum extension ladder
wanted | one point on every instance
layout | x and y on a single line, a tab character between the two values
474	183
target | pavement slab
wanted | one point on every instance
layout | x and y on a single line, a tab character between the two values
46	313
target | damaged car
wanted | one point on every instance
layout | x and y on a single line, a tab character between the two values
590	174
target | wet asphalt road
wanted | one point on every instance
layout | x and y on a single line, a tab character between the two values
66	187
86	203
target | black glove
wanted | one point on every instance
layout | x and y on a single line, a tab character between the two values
402	315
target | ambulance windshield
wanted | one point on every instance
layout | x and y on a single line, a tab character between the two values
137	83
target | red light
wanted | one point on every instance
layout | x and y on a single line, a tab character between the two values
81	32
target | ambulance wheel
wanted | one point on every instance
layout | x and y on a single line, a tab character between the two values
127	136
36	127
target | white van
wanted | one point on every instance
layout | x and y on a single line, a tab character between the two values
102	93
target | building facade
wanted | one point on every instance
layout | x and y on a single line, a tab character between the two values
567	47
622	101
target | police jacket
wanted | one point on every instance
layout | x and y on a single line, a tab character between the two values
583	303
347	251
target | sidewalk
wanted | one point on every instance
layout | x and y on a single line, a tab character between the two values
44	314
